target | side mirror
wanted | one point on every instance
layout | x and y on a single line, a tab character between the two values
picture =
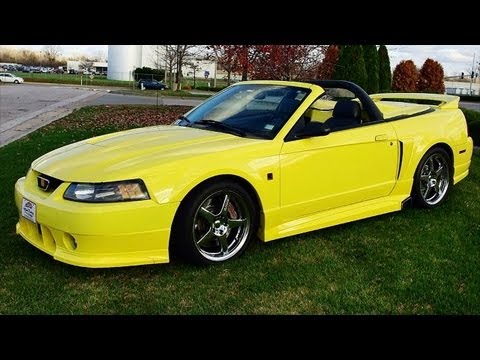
313	129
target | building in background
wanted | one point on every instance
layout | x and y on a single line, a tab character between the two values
124	59
93	67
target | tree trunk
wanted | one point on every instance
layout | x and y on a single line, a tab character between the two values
178	75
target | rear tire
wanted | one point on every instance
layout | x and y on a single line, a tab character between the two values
433	178
214	224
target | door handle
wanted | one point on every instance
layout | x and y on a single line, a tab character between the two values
381	137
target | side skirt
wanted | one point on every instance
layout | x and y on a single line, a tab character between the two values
337	216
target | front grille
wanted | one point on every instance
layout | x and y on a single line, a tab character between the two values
48	183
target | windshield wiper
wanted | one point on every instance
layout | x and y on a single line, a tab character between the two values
183	121
220	125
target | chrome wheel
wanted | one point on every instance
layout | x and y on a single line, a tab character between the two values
434	178
221	225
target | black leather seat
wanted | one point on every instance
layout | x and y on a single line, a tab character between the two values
346	113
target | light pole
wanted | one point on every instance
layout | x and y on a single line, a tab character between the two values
472	75
158	68
167	68
133	78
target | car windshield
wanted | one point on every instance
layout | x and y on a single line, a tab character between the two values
256	110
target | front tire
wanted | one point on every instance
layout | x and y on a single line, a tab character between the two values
215	223
433	178
15	82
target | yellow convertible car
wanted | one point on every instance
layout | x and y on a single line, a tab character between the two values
265	159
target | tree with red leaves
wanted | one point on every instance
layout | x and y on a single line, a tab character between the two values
326	68
405	77
431	77
246	55
286	62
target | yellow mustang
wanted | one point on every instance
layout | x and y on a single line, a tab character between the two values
261	158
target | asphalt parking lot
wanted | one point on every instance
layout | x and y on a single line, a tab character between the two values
26	107
470	105
21	99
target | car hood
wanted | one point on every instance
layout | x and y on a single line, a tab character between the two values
133	153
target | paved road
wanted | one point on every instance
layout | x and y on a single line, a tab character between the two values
27	107
19	100
470	105
112	99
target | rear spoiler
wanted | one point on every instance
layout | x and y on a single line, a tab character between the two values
444	101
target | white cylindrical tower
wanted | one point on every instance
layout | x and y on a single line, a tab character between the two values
122	60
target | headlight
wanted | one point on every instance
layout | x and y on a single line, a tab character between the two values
128	190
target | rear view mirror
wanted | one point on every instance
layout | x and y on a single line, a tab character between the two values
313	129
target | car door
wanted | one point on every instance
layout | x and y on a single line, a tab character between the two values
341	168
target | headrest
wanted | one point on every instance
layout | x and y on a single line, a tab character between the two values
347	109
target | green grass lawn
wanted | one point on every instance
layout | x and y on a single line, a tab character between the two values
124	87
74	79
153	93
101	80
408	262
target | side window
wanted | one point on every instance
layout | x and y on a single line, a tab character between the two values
337	94
339	109
347	110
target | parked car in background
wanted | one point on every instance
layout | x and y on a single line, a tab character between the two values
7	77
152	84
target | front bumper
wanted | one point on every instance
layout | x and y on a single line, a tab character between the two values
95	235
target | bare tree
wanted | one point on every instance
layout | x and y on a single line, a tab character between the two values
52	52
194	66
172	58
31	58
226	57
99	56
158	56
170	63
7	55
181	54
85	65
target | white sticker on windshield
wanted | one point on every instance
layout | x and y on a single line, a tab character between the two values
268	127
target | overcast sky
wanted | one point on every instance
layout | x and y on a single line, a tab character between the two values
454	58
